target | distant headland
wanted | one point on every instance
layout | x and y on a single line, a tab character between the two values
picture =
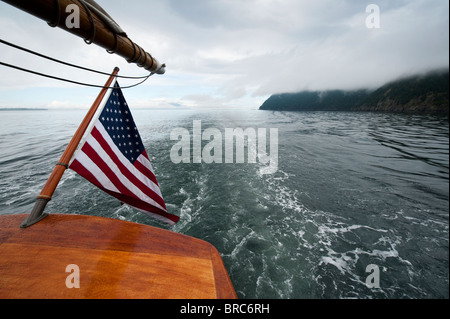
420	94
21	109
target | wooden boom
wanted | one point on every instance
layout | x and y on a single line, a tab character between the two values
96	26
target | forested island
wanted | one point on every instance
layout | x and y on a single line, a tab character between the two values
421	94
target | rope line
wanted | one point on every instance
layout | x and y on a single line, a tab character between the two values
71	81
89	40
66	63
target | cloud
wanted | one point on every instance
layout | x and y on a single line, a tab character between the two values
265	47
233	52
348	55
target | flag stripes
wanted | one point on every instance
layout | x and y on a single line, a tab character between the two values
120	166
132	177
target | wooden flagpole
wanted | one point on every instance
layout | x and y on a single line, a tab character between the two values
37	214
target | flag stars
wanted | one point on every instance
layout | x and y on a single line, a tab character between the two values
118	122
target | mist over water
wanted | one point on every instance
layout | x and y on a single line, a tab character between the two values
351	190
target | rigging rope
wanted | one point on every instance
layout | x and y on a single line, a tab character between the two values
15	46
70	65
70	81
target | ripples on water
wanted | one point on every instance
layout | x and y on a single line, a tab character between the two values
351	190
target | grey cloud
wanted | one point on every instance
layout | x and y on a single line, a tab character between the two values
220	51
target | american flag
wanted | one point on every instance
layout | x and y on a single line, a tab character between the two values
114	159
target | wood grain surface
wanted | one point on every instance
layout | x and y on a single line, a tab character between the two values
116	259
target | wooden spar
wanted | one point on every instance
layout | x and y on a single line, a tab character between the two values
46	194
92	28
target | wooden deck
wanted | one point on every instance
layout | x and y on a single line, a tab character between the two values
116	259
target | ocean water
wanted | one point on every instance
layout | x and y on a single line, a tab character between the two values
352	191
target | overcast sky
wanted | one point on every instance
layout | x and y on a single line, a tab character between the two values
231	53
